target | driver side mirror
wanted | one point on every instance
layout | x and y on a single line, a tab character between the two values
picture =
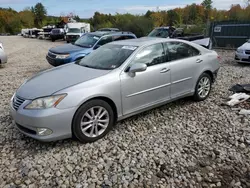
138	67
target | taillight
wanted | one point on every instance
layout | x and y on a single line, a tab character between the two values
219	58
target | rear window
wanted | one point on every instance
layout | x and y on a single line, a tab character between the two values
124	37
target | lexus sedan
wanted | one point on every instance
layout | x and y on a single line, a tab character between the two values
242	54
3	56
118	80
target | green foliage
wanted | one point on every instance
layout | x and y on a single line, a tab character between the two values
199	29
207	4
40	13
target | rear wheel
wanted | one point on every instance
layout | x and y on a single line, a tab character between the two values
93	120
203	87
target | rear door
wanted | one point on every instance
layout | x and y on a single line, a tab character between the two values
185	62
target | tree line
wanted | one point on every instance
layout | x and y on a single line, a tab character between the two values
195	15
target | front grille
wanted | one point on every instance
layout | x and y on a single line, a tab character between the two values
17	102
56	31
51	61
72	36
246	60
52	55
247	52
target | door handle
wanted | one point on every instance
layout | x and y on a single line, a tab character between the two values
164	70
199	60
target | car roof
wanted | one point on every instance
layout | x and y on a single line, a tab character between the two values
141	41
109	28
112	33
144	41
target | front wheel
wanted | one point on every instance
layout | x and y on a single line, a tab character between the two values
203	87
93	120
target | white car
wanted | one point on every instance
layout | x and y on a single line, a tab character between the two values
3	56
242	54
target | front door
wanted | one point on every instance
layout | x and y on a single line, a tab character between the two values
149	87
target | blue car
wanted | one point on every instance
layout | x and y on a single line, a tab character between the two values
68	53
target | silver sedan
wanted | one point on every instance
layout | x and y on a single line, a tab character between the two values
242	54
3	56
86	98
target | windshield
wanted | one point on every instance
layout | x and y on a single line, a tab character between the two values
74	30
163	33
87	41
108	57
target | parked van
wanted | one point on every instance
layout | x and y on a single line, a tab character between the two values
76	30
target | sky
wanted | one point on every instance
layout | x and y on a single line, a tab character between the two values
86	8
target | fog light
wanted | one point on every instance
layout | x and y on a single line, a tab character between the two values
43	131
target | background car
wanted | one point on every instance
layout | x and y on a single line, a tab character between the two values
56	34
83	46
3	56
242	54
118	80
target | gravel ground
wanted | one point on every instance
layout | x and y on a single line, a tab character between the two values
182	144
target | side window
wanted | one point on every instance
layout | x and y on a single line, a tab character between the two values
151	55
179	50
105	40
124	37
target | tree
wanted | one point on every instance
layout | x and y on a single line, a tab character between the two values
27	18
40	13
77	18
148	14
234	12
207	4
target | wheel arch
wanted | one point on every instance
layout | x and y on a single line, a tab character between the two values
210	73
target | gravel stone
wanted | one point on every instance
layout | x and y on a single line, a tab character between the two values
181	144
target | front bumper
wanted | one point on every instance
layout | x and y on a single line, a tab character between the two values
242	57
57	120
3	58
57	62
56	37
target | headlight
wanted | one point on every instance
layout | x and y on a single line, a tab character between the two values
46	102
62	56
239	50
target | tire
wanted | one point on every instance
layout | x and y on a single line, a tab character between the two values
53	40
83	115
67	41
198	96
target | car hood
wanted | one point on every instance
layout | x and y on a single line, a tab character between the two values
48	82
246	46
68	48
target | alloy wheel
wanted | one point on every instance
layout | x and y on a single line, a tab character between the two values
95	121
204	87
